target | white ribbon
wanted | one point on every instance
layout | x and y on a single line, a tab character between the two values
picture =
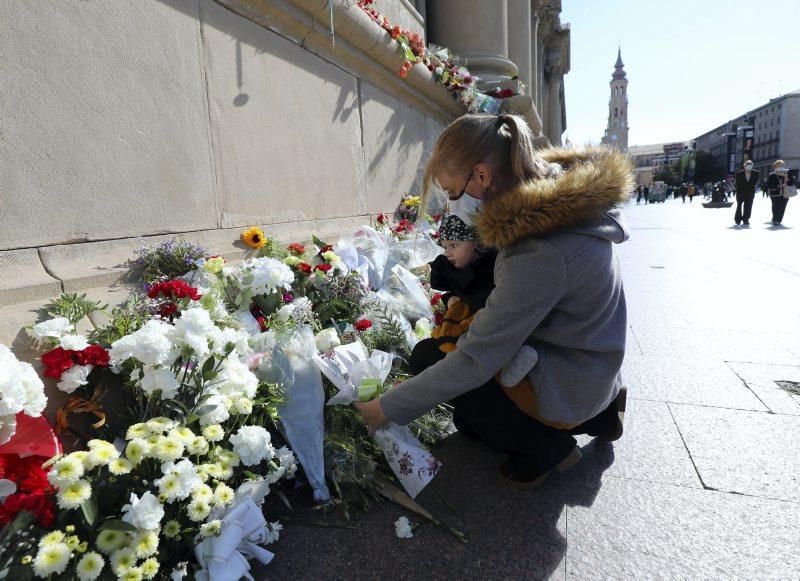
224	558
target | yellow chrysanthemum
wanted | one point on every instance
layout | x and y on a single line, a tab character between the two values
254	237
214	265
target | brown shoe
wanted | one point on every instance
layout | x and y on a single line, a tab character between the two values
523	481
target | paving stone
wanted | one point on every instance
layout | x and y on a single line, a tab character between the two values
512	534
642	530
651	448
761	380
741	451
706	382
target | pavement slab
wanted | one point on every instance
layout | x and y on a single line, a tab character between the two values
743	452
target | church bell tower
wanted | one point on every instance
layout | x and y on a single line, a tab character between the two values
617	130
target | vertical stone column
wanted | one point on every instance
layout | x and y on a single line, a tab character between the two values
477	31
554	127
519	40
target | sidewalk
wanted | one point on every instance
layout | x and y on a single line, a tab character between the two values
705	483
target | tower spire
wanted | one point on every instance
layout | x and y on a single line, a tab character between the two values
619	71
617	130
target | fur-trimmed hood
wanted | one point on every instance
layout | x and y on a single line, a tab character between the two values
582	198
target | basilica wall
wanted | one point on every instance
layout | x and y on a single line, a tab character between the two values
123	122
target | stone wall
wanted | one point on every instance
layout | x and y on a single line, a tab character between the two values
192	117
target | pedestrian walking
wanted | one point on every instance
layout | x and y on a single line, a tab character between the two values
776	186
691	190
638	195
646	195
746	181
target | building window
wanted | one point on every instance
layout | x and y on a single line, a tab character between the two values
615	112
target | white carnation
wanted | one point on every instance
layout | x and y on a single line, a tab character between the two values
285	313
12	391
402	528
35	400
287	461
236	379
327	339
269	275
218	412
143	513
74	377
74	342
274	532
152	344
252	445
193	330
239	337
51	329
160	379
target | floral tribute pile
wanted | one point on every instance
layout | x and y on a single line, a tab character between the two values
203	394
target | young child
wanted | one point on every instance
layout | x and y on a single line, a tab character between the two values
465	272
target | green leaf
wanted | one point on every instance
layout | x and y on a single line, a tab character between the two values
208	366
192	419
318	242
206	409
118	525
89	509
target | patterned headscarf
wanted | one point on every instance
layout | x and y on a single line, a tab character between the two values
454	228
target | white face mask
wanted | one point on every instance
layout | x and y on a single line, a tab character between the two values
465	208
748	168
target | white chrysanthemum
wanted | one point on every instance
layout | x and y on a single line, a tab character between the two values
203	492
150	568
139	430
74	342
211	529
120	466
52	559
213	432
137	449
291	260
131	574
160	425
223	494
218	412
51	329
109	541
74	494
102	452
198	510
83	457
143	513
242	406
274	529
252	445
51	538
227	457
123	560
198	446
68	469
90	566
179	480
182	433
145	543
268	275
193	330
236	379
168	449
172	529
160	379
74	377
402	528
152	344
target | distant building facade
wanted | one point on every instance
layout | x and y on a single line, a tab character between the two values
767	133
648	160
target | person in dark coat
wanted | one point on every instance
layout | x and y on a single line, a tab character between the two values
746	182
776	182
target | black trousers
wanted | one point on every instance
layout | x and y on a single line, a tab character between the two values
778	208
743	215
488	414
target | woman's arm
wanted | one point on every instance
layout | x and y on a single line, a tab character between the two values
529	283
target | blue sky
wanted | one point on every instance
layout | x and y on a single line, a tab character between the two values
691	65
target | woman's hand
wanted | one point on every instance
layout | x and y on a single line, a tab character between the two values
372	413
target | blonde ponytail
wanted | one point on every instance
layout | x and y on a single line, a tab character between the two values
503	141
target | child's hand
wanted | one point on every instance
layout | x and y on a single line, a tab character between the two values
451	301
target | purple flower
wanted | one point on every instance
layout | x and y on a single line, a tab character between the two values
288	297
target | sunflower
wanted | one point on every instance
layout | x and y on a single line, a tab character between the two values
254	237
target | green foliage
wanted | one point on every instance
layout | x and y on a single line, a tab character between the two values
669	175
272	249
73	307
386	333
125	319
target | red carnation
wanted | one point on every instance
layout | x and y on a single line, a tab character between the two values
325	249
304	267
57	362
167	309
436	298
323	267
173	289
38	504
362	324
382	218
296	248
262	322
92	355
438	318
